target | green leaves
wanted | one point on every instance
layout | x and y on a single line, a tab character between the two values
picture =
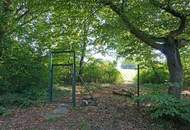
167	107
102	72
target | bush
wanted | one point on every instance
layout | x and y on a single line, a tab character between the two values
149	88
21	72
102	72
23	76
186	76
164	106
156	75
94	71
24	99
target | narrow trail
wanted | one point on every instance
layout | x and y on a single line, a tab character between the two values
111	113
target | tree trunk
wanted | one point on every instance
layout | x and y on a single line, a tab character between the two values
82	58
83	49
175	69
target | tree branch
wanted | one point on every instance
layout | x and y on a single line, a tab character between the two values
22	15
180	29
146	38
19	9
182	43
124	3
6	4
169	9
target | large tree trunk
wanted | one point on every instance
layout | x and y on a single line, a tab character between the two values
175	69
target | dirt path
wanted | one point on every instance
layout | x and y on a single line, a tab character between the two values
111	113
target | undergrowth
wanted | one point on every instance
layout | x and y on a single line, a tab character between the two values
167	107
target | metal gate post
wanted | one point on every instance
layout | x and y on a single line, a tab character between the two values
138	83
50	84
74	81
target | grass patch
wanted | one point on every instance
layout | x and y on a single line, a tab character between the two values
5	111
52	119
84	125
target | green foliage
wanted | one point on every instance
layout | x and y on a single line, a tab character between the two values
186	66
164	106
84	125
4	111
102	72
52	119
21	70
156	75
28	29
25	99
93	71
149	88
23	77
62	75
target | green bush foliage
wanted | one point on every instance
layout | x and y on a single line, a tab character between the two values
157	75
185	57
21	70
23	76
164	106
149	88
25	99
102	72
97	72
187	74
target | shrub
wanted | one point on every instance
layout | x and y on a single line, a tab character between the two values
102	72
156	75
22	77
24	99
149	88
22	69
164	106
186	76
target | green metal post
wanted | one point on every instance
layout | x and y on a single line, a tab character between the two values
74	81
50	84
138	83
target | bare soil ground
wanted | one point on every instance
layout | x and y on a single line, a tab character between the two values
111	113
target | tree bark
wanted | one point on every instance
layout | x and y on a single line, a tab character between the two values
175	69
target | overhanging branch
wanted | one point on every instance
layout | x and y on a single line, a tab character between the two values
143	36
167	8
180	29
175	13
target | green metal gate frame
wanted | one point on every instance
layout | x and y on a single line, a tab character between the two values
51	68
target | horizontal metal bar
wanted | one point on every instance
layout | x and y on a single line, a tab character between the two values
62	64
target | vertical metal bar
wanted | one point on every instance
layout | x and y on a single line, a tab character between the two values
51	92
138	82
74	81
50	84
